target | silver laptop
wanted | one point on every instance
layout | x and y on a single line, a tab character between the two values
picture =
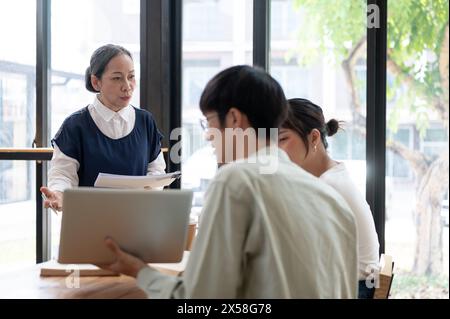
149	224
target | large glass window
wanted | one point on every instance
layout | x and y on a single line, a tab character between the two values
417	148
17	126
216	34
322	57
17	215
78	28
17	73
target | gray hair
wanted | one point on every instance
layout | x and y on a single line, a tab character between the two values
100	59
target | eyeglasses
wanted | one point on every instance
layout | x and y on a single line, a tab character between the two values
204	123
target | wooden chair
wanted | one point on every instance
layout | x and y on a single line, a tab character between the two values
386	277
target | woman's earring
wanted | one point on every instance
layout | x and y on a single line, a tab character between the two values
315	148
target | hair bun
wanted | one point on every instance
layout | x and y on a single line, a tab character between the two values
332	127
87	81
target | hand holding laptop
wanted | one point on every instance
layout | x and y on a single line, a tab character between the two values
124	263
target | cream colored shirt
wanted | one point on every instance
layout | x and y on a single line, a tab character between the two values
368	246
280	235
115	125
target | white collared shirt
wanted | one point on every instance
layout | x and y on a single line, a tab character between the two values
284	234
115	125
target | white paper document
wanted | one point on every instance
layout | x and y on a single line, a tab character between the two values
126	181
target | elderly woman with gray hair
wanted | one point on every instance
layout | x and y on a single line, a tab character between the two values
109	135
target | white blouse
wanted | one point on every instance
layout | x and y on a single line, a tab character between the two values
115	125
368	246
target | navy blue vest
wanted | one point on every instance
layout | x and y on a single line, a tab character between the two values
80	138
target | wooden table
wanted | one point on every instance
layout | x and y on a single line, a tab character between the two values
27	283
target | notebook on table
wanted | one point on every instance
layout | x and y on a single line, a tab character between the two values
53	268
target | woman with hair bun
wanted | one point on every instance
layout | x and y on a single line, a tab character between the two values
303	136
109	135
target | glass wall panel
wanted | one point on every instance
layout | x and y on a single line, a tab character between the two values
216	34
417	148
322	57
17	128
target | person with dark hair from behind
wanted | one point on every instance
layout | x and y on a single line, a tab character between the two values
266	231
109	135
303	137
